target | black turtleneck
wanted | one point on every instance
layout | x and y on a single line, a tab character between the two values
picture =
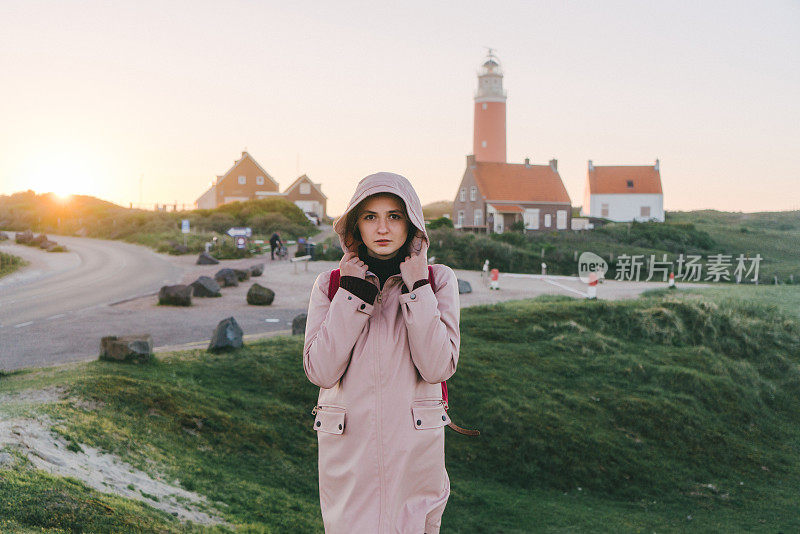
383	269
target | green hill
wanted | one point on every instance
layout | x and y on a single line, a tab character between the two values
669	413
92	217
773	235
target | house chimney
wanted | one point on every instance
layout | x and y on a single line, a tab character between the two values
591	166
554	165
657	165
471	160
527	162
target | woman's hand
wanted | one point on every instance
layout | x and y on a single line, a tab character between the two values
351	265
415	267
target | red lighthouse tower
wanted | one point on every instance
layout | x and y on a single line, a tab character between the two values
489	143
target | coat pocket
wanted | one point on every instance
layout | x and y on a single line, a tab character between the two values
429	414
329	419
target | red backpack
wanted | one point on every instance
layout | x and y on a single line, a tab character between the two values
333	286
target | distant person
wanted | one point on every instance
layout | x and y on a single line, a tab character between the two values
275	243
378	344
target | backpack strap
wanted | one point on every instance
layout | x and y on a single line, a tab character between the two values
333	285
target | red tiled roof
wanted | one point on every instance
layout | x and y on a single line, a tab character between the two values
517	182
612	180
507	208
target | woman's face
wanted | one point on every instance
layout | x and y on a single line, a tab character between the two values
383	226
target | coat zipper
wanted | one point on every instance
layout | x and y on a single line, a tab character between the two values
377	374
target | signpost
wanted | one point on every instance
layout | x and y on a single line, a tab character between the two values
240	235
184	229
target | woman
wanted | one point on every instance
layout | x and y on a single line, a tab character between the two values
379	350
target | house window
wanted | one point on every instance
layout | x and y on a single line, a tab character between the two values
242	180
259	180
603	210
645	211
531	219
547	220
478	218
462	195
561	219
630	183
305	188
460	218
483	144
484	105
473	193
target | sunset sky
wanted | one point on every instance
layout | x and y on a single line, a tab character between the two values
95	95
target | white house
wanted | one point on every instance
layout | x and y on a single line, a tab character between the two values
624	193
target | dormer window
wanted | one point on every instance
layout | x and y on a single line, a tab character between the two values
630	183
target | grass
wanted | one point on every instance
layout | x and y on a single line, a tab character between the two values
669	413
10	263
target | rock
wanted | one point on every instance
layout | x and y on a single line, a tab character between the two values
47	244
257	270
3	236
206	259
24	238
299	325
242	274
227	335
179	295
205	286
38	240
464	287
5	458
226	277
260	295
136	348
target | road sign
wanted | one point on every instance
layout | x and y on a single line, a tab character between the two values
185	226
241	242
240	231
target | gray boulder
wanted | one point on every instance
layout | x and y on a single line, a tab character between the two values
205	286
299	325
24	238
260	295
39	239
226	277
47	244
464	287
206	259
242	274
227	335
179	295
257	270
136	348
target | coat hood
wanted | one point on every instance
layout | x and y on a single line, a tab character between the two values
384	182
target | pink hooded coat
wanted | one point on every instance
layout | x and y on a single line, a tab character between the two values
380	419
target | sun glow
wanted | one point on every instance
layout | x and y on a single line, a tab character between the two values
62	173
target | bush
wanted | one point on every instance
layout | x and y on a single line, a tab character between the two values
441	222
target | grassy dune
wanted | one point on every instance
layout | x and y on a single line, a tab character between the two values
10	263
669	413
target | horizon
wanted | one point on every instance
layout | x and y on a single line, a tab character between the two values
147	104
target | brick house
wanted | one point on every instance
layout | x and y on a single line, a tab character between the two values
624	192
492	196
308	196
247	180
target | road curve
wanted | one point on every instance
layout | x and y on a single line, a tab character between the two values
94	273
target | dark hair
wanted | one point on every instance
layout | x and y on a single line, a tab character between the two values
353	235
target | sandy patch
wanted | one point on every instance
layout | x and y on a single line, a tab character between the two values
99	470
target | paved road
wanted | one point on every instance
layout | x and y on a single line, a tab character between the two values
58	286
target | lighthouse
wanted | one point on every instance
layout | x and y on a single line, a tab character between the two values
489	142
